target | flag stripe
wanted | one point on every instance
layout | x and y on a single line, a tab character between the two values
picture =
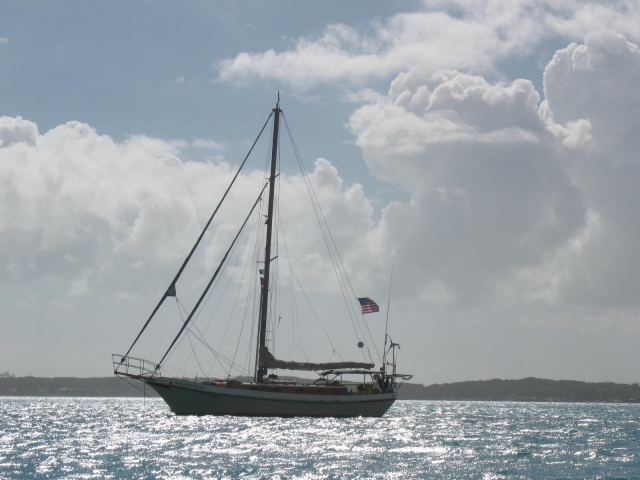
368	305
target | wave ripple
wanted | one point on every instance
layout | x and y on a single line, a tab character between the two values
125	438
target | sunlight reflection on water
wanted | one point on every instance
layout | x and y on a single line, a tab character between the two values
119	438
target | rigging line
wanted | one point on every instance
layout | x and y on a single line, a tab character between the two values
232	364
294	311
224	336
177	371
212	280
386	326
294	305
192	349
331	246
304	352
272	281
317	317
182	369
324	229
225	359
216	354
333	253
129	383
293	298
299	348
336	251
201	339
239	257
239	338
267	159
275	302
291	289
293	318
184	264
251	304
295	327
257	304
224	268
219	301
188	338
324	226
297	344
256	321
244	317
182	339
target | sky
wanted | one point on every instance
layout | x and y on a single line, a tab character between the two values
486	151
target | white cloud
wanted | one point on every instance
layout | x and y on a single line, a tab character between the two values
362	96
603	74
92	212
4	40
593	89
13	130
512	200
465	35
206	144
80	205
514	205
502	188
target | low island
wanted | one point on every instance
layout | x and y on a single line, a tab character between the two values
523	390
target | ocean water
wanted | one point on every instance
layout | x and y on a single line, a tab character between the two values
128	438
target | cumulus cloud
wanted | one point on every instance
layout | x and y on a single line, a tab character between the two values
76	203
593	88
489	195
98	228
87	210
13	130
513	199
510	197
465	35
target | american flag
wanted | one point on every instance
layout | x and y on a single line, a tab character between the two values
368	305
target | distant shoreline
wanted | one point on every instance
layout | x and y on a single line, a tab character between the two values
523	390
526	390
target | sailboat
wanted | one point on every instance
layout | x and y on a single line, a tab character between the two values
334	394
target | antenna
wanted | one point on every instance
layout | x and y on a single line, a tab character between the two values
386	327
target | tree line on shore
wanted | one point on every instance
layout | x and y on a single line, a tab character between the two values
526	389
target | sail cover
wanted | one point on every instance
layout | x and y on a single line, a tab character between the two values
269	361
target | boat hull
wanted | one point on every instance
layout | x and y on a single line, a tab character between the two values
189	398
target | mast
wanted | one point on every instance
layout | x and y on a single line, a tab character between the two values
171	291
267	253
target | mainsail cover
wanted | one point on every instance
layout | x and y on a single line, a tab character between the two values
269	361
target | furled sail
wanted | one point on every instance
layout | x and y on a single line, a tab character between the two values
269	361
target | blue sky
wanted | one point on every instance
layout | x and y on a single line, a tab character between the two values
131	68
128	68
489	146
